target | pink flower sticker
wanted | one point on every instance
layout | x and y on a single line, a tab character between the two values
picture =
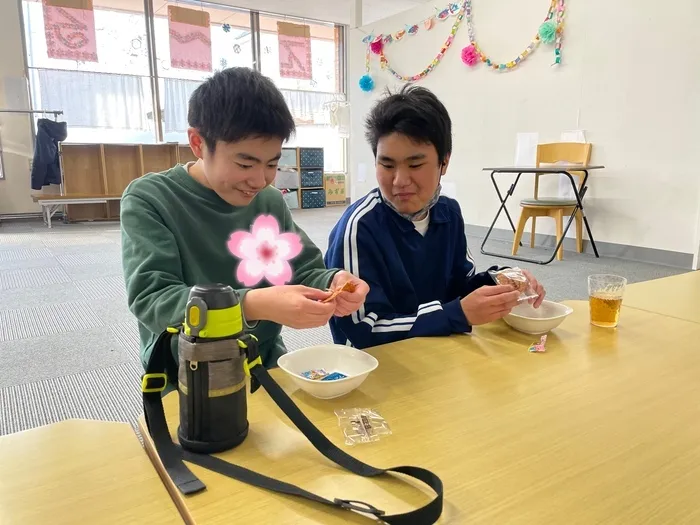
264	252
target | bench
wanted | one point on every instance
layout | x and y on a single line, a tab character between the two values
51	203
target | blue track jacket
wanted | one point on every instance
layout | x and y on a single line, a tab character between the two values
416	282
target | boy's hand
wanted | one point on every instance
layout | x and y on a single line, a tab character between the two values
538	289
489	303
348	302
295	306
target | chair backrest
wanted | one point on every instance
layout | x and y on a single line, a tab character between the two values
572	152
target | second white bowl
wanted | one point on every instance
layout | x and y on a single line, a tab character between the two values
535	321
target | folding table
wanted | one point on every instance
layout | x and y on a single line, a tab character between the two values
563	169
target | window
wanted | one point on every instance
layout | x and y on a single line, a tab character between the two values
111	96
109	100
231	45
308	99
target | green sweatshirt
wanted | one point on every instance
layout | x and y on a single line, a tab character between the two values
174	235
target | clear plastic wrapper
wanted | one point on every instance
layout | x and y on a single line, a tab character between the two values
516	278
362	425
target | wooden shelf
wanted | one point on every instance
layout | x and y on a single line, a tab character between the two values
98	170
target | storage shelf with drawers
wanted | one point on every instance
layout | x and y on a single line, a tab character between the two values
301	171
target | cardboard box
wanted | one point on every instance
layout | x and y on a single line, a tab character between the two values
335	190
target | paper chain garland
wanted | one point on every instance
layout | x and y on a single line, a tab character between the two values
551	31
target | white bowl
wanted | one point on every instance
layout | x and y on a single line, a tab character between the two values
525	318
354	363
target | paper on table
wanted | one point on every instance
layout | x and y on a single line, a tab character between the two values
526	149
449	189
361	172
565	190
577	135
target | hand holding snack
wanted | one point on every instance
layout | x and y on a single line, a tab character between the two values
536	288
295	306
489	303
523	281
348	292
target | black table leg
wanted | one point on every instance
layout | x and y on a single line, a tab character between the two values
577	208
579	200
502	208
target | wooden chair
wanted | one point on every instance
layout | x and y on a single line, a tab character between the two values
555	207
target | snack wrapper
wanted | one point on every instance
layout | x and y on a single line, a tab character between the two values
320	374
333	376
539	347
516	278
362	425
315	374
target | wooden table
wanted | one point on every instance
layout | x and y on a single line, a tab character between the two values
677	296
602	428
80	472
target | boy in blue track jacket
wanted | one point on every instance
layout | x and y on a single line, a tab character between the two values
407	241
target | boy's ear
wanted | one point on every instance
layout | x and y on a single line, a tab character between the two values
443	166
196	142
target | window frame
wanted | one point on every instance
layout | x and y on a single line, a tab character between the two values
154	77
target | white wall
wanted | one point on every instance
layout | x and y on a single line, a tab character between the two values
15	130
629	78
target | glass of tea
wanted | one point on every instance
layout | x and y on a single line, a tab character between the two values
605	296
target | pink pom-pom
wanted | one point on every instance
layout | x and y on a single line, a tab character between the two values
470	56
376	46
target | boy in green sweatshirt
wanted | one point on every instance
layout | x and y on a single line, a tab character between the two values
218	220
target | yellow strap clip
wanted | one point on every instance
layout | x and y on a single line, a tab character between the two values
144	383
247	366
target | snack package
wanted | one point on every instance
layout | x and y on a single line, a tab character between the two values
315	374
333	376
320	374
362	425
516	278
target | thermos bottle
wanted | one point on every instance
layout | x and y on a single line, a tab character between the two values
211	374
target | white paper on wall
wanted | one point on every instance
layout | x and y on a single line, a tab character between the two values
565	190
577	135
361	172
16	94
526	149
449	189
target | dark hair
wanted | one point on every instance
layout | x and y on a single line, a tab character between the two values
414	112
239	103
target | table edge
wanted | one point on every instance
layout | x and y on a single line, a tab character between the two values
175	495
548	169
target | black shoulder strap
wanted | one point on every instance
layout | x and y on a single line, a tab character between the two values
173	455
153	383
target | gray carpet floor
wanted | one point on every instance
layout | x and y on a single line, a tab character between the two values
69	345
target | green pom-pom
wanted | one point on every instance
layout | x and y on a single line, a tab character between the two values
548	32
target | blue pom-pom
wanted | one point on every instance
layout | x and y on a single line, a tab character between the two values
366	83
548	32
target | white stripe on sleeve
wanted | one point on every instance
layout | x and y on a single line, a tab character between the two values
350	242
399	324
